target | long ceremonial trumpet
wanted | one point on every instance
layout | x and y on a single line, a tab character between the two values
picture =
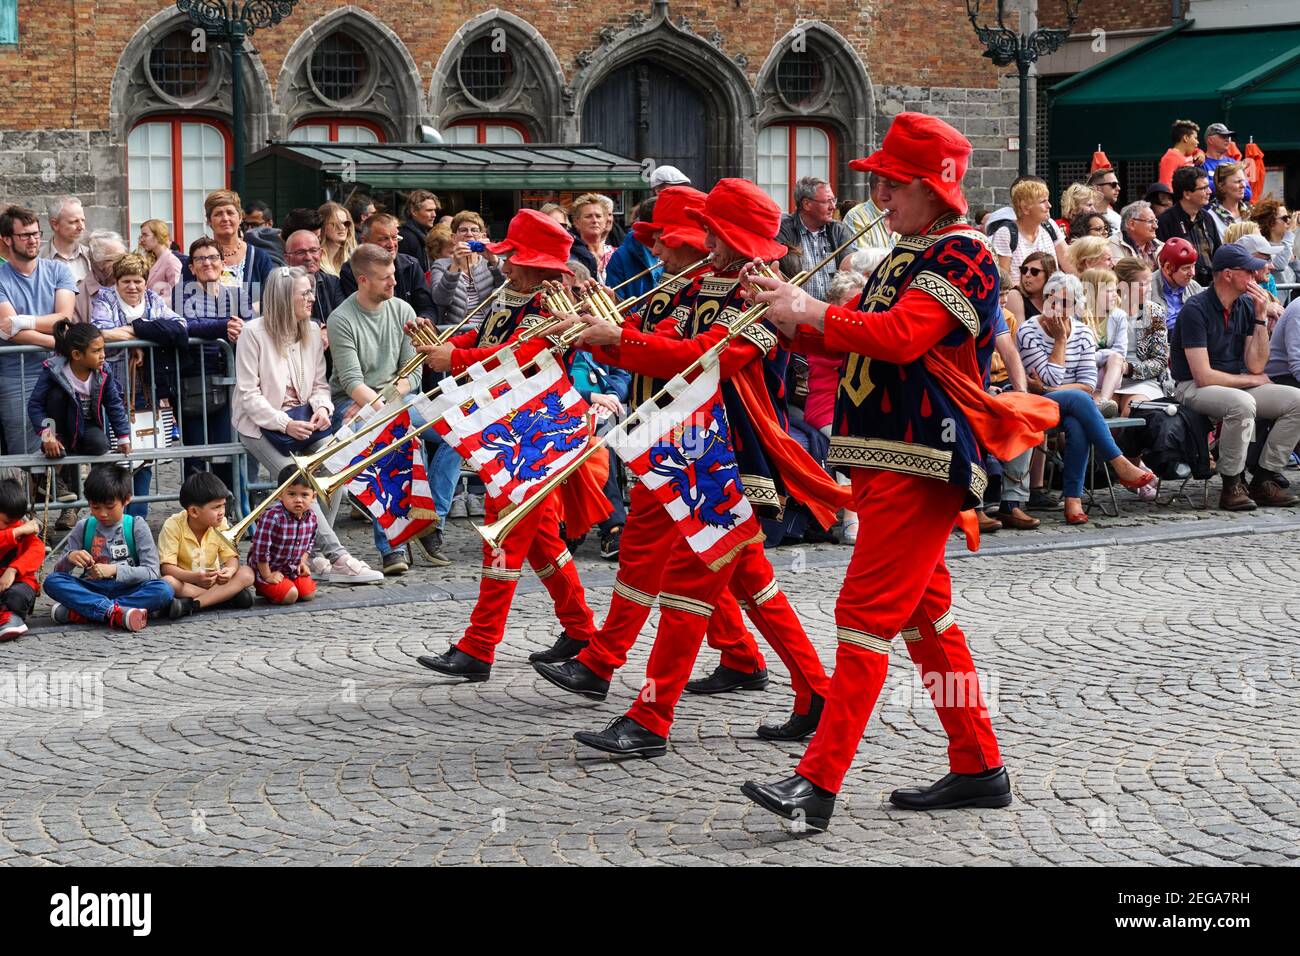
496	532
329	484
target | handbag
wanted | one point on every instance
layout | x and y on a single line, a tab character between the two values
286	445
281	441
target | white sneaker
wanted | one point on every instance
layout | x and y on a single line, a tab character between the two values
849	529
458	508
474	504
348	570
320	566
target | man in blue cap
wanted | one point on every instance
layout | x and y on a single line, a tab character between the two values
1218	351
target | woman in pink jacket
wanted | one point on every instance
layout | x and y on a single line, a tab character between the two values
164	268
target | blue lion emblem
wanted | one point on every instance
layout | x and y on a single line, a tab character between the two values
388	480
522	441
702	471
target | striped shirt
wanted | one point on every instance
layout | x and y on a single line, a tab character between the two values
281	540
1080	366
816	246
878	236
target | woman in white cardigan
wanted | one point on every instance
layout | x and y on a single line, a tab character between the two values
280	367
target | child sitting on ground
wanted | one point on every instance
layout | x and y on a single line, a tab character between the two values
21	554
200	565
282	542
120	581
76	399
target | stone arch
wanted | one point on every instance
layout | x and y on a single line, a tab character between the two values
536	99
847	105
392	97
132	97
721	81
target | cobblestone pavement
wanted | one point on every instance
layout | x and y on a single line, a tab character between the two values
1143	692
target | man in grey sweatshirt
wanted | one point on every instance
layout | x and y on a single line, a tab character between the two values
108	572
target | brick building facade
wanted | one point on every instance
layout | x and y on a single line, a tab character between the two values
99	97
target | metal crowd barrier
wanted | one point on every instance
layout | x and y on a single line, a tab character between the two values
178	450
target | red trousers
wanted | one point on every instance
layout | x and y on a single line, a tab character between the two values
276	593
537	538
690	594
897	582
642	550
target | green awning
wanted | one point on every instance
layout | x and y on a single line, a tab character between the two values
431	166
1248	78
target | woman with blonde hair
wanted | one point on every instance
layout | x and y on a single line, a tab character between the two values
1110	326
1090	252
1032	230
593	215
1077	198
463	279
338	237
281	404
155	244
1229	203
1244	227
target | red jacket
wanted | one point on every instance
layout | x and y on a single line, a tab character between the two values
25	556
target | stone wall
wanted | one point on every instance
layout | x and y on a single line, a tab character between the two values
37	167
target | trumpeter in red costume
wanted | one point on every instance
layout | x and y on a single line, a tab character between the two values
910	419
538	249
738	221
678	243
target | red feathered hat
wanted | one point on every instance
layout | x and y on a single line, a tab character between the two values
536	240
670	222
742	216
922	147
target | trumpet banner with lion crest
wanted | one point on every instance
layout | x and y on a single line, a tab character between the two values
518	432
682	453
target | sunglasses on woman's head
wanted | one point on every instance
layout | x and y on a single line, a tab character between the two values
1030	271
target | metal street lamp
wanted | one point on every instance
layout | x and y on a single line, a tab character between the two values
230	21
1007	46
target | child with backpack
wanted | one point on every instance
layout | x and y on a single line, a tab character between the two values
21	554
120	581
199	564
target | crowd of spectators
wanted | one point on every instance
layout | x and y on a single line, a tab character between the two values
1181	295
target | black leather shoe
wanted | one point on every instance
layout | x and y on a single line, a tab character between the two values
626	738
456	663
992	788
798	727
575	677
795	799
564	648
724	679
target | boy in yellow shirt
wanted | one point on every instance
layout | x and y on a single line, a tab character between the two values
199	564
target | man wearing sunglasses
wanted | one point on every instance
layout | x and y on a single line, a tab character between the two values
1106	182
1187	219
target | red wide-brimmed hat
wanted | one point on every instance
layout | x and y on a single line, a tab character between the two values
670	222
922	147
744	217
536	240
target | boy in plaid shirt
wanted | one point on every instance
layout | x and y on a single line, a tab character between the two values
282	543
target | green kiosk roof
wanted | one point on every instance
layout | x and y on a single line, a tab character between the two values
432	166
1248	78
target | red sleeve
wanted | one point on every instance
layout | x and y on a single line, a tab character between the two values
30	556
812	341
901	335
461	359
663	355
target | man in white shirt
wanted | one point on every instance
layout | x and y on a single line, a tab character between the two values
67	223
